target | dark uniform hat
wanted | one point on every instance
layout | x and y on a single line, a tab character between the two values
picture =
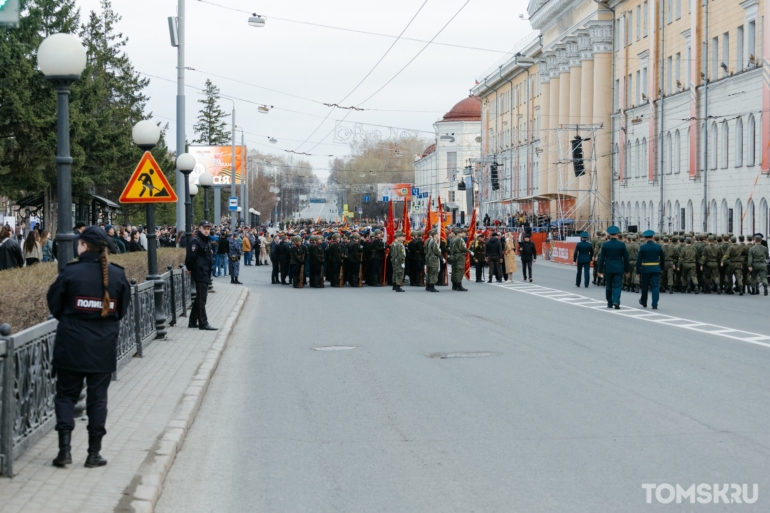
584	235
613	230
296	239
648	233
432	232
204	223
95	236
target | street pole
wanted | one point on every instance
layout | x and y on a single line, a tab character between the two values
64	235
206	202
233	187
181	205
217	204
244	183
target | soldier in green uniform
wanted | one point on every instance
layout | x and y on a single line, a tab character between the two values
457	251
689	263
479	258
757	261
745	265
297	255
432	260
699	245
398	261
667	277
674	250
417	255
354	260
630	280
596	242
709	263
732	262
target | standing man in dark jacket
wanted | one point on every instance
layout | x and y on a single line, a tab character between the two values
417	256
199	263
613	263
284	256
378	254
274	280
354	260
528	252
10	251
494	252
584	253
222	253
89	297
650	262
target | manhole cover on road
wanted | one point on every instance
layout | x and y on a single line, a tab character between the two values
464	354
333	348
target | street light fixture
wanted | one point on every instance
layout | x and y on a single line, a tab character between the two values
256	20
146	135
186	163
61	58
206	180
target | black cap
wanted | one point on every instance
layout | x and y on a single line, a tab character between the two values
204	223
94	235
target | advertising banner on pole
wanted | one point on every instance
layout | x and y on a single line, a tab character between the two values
394	191
217	160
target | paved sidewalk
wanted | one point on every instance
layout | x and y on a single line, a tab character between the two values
141	403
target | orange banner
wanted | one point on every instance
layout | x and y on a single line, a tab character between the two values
561	252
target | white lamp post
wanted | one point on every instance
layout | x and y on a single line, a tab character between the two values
206	180
186	163
61	58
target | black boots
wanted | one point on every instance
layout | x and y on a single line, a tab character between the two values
432	288
94	459
459	287
398	288
65	450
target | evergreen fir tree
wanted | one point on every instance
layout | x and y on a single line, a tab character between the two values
211	127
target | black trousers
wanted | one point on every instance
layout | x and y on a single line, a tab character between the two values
479	271
276	270
284	270
68	387
198	313
416	270
315	274
353	269
295	275
375	265
334	274
526	265
494	268
582	267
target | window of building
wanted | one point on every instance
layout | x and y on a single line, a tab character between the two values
678	68
713	150
629	90
638	22
751	142
668	154
678	9
739	142
670	77
645	159
751	42
669	9
638	88
677	153
687	67
714	59
646	17
725	54
739	61
724	146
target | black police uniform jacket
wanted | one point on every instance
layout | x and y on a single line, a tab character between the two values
86	341
199	258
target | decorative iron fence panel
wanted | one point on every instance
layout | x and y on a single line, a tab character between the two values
127	336
145	313
187	289
168	310
5	446
177	279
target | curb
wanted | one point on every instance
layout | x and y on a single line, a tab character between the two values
145	489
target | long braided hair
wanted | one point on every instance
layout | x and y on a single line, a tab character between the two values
102	250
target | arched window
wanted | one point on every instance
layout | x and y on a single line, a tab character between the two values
723	148
677	215
645	221
738	218
668	154
713	139
637	159
652	212
714	221
702	157
764	217
668	218
644	172
677	153
687	151
637	217
750	223
751	142
690	221
739	143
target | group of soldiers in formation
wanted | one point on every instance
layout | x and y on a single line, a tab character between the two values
699	262
363	257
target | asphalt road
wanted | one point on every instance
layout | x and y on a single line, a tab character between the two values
567	408
326	211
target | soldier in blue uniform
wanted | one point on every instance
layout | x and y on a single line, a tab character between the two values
649	264
89	297
613	262
584	253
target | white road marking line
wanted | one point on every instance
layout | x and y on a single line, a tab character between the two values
571	298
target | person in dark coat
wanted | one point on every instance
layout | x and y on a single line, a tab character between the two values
199	262
89	297
649	265
274	279
10	251
494	252
528	253
613	263
584	253
284	257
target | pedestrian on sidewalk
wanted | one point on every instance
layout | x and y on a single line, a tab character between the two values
89	297
199	261
246	249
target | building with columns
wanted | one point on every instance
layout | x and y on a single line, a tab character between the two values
674	90
439	168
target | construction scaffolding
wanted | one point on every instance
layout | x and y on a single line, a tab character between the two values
578	197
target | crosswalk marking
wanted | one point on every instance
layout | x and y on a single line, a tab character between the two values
572	298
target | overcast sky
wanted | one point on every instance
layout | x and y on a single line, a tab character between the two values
319	64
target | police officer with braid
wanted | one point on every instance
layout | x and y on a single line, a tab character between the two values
89	297
198	261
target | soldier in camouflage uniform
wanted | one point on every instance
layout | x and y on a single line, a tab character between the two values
596	242
709	263
699	245
745	265
689	263
398	261
457	251
675	250
631	280
757	261
236	250
432	260
732	262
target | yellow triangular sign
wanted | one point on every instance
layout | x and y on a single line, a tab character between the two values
148	184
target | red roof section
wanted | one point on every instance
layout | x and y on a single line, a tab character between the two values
468	109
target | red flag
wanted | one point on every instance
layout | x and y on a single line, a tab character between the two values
442	227
407	227
428	225
390	230
471	237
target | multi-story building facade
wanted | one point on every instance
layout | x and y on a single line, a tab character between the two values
440	167
678	91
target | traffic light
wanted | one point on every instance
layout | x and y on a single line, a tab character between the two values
495	176
461	185
577	155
